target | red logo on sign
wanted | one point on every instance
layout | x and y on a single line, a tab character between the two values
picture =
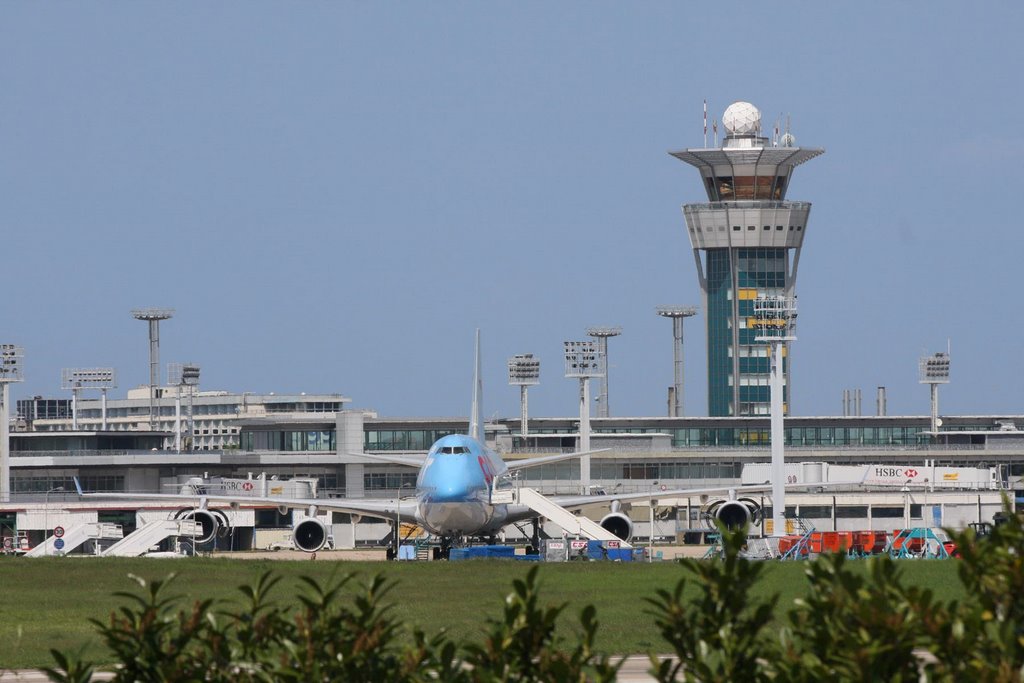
247	486
910	473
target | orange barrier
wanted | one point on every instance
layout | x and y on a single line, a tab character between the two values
786	543
869	542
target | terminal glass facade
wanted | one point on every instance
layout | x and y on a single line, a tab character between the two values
45	482
289	440
403	439
389	481
732	437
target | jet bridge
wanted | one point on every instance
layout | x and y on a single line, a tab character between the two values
574	525
76	536
145	537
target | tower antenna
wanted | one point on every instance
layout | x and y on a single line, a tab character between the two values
705	123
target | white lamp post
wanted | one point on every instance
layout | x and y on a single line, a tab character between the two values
583	361
10	371
524	372
934	371
773	319
184	375
602	334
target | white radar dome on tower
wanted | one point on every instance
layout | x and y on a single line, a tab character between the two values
742	118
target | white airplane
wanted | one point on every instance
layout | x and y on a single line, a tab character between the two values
453	494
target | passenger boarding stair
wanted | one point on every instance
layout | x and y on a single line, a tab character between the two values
76	536
761	548
145	537
574	525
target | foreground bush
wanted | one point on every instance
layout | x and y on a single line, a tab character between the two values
336	635
851	626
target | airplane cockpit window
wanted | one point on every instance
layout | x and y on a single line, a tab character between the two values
453	450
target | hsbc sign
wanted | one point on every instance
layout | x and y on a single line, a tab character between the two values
888	475
879	474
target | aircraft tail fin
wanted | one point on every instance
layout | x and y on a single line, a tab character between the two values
475	427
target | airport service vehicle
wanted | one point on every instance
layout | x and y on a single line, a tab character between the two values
456	495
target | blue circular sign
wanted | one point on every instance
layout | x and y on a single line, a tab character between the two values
58	544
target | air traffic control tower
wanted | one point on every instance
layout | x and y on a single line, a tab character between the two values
751	238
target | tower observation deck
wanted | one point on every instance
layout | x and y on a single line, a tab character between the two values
751	237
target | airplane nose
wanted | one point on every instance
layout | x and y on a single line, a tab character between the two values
450	491
453	480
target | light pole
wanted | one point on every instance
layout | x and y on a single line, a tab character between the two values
934	371
184	375
773	321
153	316
524	372
602	334
46	513
10	371
678	314
582	361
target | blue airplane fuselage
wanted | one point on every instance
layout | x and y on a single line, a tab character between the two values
453	488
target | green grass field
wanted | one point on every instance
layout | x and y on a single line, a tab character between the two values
47	603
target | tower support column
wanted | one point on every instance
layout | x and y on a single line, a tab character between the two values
778	435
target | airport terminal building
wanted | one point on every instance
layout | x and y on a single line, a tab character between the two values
314	437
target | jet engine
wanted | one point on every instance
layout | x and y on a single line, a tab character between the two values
309	534
619	524
211	521
733	514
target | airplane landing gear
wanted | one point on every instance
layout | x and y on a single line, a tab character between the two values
444	551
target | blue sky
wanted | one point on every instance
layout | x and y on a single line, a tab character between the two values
334	195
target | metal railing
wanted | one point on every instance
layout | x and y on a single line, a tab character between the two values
88	452
748	204
757	448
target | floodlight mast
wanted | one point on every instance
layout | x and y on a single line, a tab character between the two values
934	370
77	379
582	361
602	334
524	372
678	314
153	316
10	371
774	317
183	375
